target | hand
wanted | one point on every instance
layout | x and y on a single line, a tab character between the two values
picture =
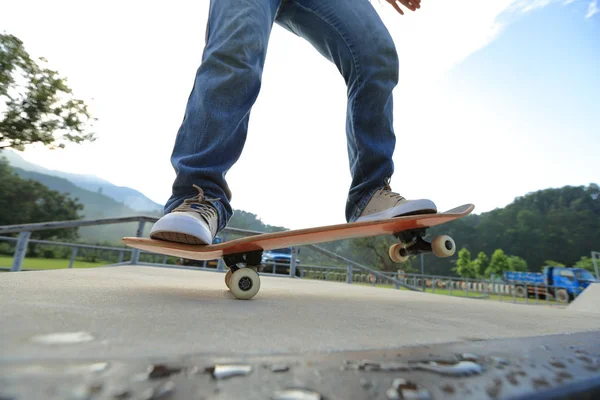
410	4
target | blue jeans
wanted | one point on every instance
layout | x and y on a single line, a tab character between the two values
349	33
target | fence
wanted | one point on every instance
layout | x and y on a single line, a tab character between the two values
24	231
353	273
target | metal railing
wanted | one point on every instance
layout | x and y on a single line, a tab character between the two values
25	230
353	273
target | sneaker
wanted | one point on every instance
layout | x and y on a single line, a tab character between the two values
195	221
386	204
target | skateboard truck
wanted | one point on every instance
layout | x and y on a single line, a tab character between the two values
412	244
249	258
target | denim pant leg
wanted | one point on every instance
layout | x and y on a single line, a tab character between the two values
351	35
213	132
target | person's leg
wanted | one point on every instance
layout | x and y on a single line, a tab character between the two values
351	35
213	132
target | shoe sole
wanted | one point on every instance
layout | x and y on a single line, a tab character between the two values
180	228
177	237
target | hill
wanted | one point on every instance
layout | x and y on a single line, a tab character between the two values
95	205
128	196
558	224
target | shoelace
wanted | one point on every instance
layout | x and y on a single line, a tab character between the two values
203	208
387	192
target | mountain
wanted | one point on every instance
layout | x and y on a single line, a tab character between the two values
129	197
558	224
95	206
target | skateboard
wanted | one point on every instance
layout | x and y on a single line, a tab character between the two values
243	256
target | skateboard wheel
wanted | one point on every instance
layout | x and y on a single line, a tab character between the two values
443	246
398	253
227	278
244	283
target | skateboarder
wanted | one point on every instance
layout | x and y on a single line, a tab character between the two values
210	140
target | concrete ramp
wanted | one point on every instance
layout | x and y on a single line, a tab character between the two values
147	311
588	300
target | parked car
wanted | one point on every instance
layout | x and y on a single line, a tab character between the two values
280	259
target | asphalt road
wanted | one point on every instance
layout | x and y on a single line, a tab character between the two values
128	312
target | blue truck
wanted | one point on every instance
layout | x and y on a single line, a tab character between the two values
561	283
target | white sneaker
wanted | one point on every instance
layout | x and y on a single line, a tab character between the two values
386	204
195	221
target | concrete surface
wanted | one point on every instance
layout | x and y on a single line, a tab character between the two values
588	300
139	311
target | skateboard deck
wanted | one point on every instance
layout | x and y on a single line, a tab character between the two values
299	237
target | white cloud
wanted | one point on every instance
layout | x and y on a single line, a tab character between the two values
592	9
528	5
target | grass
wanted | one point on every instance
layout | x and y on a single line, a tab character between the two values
46	263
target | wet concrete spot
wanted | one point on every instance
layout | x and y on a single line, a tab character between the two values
297	394
449	389
279	368
512	378
494	388
404	389
366	384
461	368
539	383
499	361
228	371
366	365
158	371
469	357
449	368
63	338
585	359
562	376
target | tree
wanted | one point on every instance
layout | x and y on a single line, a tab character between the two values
374	251
481	263
36	105
554	263
27	201
516	263
498	264
465	267
586	262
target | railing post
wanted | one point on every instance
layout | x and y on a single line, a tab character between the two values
135	255
220	262
73	256
349	275
20	251
293	263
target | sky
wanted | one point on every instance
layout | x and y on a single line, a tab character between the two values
496	99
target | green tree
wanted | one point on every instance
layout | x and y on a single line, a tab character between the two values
586	262
516	263
27	201
374	252
498	264
465	267
36	105
481	263
553	263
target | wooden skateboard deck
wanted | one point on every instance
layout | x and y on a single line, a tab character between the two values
299	237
